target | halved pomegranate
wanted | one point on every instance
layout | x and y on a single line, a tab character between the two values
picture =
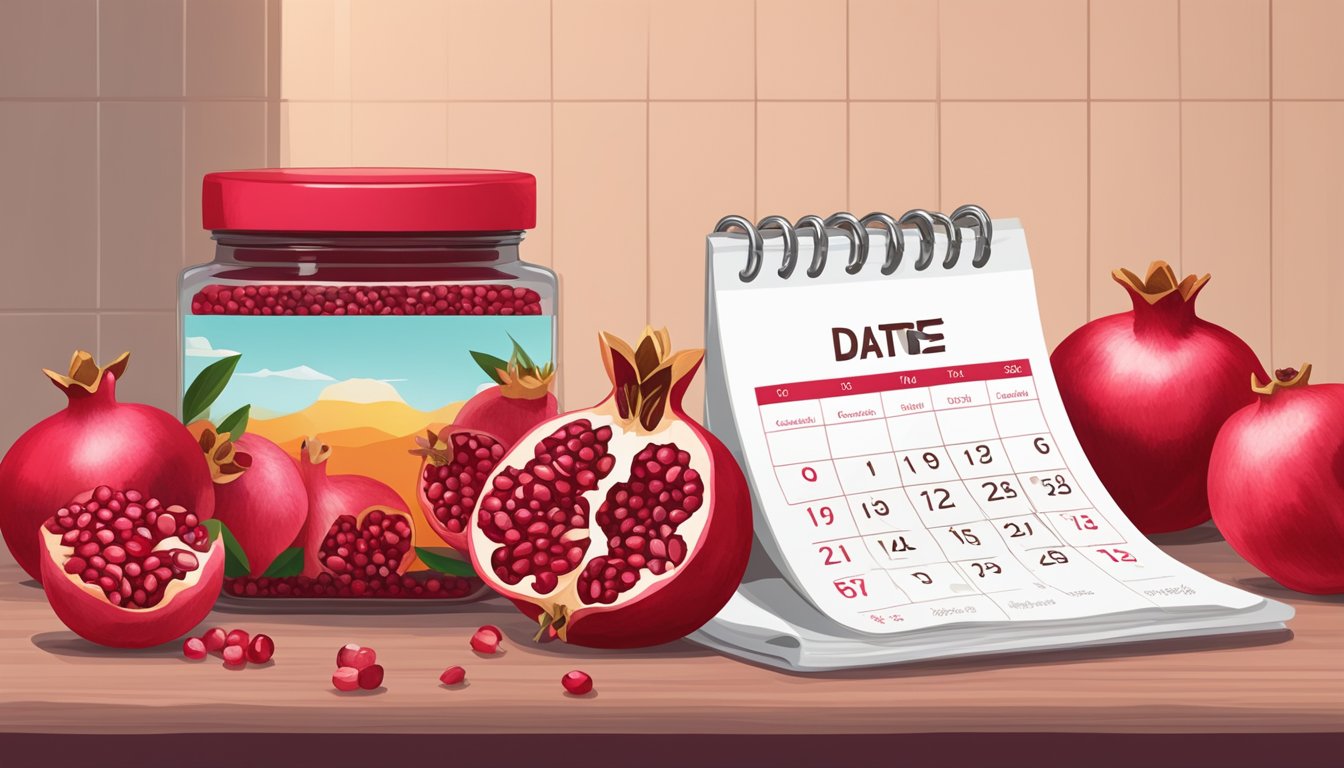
458	459
123	570
673	514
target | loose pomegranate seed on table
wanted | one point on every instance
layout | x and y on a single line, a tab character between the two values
453	675
371	677
214	639
577	682
486	639
260	649
235	656
194	648
236	637
355	656
346	679
365	300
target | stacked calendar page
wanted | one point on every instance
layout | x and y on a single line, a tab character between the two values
919	492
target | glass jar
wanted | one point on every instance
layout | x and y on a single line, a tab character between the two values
360	309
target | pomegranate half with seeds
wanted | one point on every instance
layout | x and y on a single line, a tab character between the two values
122	569
623	525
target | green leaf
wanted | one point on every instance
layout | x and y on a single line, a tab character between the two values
445	560
286	564
520	355
207	387
235	423
491	365
235	559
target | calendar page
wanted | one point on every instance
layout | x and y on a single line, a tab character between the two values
911	462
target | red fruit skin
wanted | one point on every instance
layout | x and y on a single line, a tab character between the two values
266	506
93	618
1146	392
1276	486
710	574
504	418
97	441
330	496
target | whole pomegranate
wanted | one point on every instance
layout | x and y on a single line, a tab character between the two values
258	492
671	534
330	497
458	460
96	441
1146	392
122	569
1276	482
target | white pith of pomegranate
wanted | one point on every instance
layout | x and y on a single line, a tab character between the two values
622	525
121	569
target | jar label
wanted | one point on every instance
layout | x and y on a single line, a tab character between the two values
366	386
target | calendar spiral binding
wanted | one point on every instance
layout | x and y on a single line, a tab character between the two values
856	228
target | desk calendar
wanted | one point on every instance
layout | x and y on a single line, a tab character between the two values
919	490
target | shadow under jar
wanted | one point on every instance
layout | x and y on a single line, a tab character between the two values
364	307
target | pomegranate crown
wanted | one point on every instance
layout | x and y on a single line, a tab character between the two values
227	463
1283	378
519	378
645	377
1160	283
433	447
314	451
86	375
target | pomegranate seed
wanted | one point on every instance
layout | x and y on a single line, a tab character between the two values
236	637
346	679
486	639
194	648
214	639
371	677
365	300
577	682
234	656
356	656
453	676
261	649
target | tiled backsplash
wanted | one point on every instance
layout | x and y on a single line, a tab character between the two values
1205	132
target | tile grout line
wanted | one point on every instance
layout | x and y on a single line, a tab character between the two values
938	97
755	111
1180	144
648	164
849	120
1087	126
1270	217
98	177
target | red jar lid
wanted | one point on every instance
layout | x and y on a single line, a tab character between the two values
369	200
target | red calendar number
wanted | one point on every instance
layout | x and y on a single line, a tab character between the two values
809	474
1082	522
851	588
833	555
1119	555
821	516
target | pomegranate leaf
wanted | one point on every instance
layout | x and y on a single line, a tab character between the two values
236	423
445	560
524	362
235	559
207	387
491	365
286	564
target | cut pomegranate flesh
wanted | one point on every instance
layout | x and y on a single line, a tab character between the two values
127	545
365	300
373	550
452	488
539	512
640	517
541	515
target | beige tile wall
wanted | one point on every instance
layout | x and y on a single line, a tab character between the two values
110	111
1205	132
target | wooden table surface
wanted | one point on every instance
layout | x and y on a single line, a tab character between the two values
52	681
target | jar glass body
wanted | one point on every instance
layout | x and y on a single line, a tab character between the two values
361	343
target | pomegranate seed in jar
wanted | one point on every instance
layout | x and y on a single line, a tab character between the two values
194	648
346	679
577	682
453	676
365	300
